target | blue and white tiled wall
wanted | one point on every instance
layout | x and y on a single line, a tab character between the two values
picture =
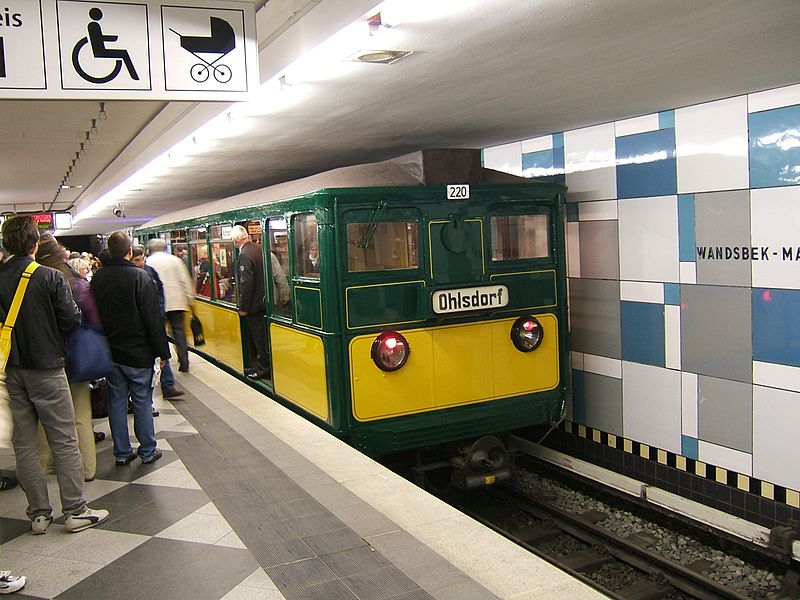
684	264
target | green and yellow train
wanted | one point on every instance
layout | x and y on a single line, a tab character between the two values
435	311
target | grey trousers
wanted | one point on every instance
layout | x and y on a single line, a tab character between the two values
177	323
43	396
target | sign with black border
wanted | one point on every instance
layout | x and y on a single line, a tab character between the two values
128	49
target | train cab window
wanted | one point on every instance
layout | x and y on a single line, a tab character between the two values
178	246
222	263
382	246
201	268
520	236
306	246
279	265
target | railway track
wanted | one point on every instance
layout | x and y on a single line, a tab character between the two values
622	568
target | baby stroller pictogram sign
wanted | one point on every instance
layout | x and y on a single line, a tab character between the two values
204	49
128	49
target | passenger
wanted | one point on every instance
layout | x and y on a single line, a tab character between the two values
203	278
167	378
178	297
309	264
103	258
128	305
252	306
280	287
50	255
37	384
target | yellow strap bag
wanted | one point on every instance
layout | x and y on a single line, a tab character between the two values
6	423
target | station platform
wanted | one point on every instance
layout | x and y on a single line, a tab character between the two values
252	502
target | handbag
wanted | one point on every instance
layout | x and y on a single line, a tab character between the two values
99	397
197	330
88	355
11	318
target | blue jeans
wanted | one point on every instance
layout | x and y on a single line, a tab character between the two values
135	381
167	377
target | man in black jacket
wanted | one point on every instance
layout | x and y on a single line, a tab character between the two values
128	305
37	384
252	304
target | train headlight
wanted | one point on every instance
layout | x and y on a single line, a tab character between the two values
527	334
390	351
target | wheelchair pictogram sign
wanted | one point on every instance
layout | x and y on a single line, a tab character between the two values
96	41
221	41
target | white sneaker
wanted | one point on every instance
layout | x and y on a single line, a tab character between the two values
39	526
88	518
10	584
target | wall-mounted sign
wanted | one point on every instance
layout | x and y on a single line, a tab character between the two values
73	49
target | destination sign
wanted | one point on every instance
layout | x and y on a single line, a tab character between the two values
471	298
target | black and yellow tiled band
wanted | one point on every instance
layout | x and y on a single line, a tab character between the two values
721	475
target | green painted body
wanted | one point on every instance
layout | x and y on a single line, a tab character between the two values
326	308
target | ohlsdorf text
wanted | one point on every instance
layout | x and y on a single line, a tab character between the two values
472	298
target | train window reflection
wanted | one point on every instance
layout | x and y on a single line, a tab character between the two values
306	246
382	246
520	236
222	263
178	246
200	265
279	265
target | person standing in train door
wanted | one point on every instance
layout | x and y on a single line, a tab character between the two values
252	301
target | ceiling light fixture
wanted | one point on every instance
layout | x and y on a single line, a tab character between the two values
88	139
102	115
93	128
379	57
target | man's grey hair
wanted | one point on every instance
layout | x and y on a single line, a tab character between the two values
157	245
239	233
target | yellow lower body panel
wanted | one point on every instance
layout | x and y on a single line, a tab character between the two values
222	332
450	366
298	369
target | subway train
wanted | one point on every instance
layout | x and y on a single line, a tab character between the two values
413	303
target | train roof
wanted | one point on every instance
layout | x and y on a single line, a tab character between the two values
424	167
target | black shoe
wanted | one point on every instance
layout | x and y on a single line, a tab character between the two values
156	413
125	459
171	393
184	369
7	483
99	436
151	459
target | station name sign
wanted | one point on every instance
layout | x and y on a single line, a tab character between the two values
123	50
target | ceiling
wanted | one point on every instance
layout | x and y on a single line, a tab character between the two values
482	73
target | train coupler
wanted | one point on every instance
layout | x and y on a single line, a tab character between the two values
484	463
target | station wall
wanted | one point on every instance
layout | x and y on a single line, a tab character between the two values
683	233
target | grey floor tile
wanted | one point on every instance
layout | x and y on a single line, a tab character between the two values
106	469
300	574
314	524
355	560
11	528
329	590
334	541
162	568
380	583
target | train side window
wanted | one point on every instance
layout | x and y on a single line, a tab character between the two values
279	266
178	246
222	263
520	236
306	246
201	268
382	246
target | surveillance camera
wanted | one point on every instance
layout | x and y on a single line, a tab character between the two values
119	211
